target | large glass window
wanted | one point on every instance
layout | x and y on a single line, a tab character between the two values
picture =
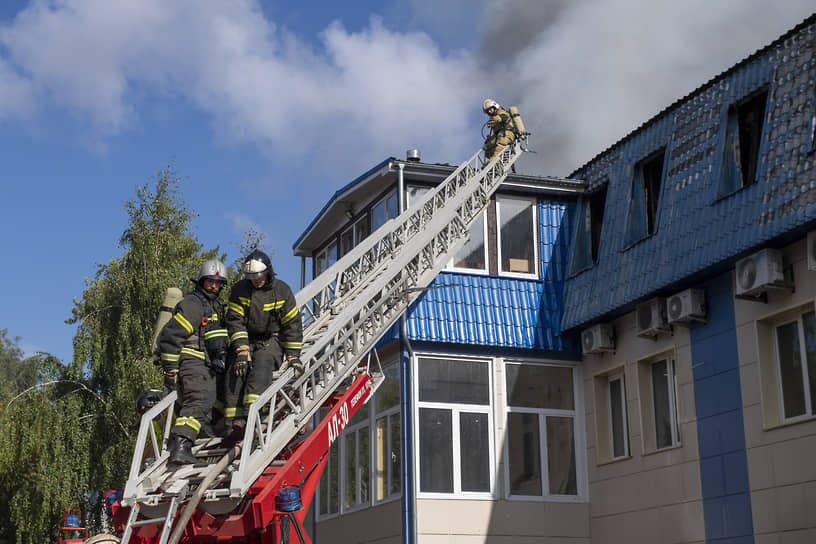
325	258
357	460
387	436
454	426
796	355
541	416
385	209
353	235
364	465
517	235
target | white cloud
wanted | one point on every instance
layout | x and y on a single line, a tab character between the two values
358	95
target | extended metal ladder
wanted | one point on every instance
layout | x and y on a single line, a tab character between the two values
345	311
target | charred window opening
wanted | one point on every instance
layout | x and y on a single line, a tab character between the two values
743	139
652	172
645	198
597	202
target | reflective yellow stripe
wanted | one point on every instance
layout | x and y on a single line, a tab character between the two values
250	398
293	345
194	352
236	308
217	333
290	316
269	306
215	317
172	357
239	335
244	301
230	412
184	323
189	422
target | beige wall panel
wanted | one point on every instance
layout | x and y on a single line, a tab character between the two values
786	508
750	384
382	524
502	518
756	436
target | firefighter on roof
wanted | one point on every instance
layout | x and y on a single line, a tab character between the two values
503	130
193	347
265	332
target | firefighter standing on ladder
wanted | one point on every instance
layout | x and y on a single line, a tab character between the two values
266	336
502	127
193	347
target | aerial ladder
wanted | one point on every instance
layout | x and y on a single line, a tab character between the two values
252	489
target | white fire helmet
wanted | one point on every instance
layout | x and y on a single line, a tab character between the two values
489	103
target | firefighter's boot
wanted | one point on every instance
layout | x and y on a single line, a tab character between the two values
181	451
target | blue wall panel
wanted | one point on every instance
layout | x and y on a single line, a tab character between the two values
501	311
720	430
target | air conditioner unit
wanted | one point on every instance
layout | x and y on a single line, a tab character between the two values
598	338
686	307
651	318
760	272
811	250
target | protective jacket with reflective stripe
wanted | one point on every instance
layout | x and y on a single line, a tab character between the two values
260	314
190	330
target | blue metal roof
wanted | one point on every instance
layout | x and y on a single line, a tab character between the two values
698	230
500	311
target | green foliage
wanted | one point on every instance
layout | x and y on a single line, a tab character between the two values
116	314
43	446
67	432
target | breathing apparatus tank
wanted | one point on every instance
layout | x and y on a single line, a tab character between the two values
172	296
517	122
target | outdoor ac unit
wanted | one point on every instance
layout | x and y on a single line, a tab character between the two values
760	272
811	250
598	338
651	318
686	307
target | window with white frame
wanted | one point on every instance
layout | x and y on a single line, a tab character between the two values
350	481
325	258
473	255
329	495
356	461
541	431
455	453
618	425
787	365
658	398
611	418
517	235
353	235
385	209
387	460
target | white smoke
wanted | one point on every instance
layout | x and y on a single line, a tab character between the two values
587	72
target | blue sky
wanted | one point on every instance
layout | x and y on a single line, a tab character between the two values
267	107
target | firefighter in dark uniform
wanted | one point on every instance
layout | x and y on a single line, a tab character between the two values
503	131
193	347
265	333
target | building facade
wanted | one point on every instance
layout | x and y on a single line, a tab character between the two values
626	356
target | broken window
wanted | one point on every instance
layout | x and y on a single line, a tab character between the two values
645	197
588	230
743	137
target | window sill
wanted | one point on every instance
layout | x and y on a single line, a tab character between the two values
638	242
661	450
789	423
548	498
615	460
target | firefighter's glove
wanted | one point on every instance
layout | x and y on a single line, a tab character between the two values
218	366
243	361
170	378
296	365
494	122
